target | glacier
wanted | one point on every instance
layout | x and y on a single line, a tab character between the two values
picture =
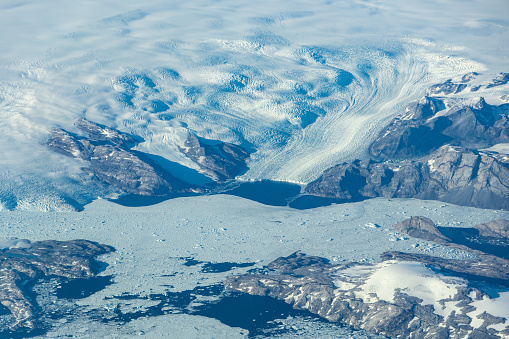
302	87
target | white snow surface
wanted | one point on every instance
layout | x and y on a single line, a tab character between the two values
496	306
414	279
255	73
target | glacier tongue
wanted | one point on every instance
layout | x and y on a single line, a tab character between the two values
304	89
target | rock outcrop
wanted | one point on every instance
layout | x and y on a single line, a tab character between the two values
495	228
433	122
21	264
356	295
108	157
99	132
450	174
488	241
433	151
422	228
408	295
501	79
219	160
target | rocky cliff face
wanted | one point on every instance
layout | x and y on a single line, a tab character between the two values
451	174
107	155
433	122
408	295
348	294
20	265
496	228
219	160
432	151
422	228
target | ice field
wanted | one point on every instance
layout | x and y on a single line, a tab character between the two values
306	86
152	242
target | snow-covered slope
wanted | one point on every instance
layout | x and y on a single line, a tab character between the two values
307	85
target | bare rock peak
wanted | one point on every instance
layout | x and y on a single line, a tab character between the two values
422	228
217	159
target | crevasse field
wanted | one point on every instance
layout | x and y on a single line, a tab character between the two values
307	84
258	74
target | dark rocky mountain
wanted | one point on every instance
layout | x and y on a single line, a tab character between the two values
464	85
315	288
448	87
494	228
219	160
422	228
342	292
432	152
450	174
108	157
99	132
22	265
501	79
421	130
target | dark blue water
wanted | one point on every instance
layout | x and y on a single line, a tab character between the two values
253	313
212	267
470	237
267	192
223	266
305	201
82	288
135	200
273	193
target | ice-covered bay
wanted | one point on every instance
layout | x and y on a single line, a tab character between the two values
152	241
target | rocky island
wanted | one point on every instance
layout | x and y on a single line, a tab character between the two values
23	262
406	295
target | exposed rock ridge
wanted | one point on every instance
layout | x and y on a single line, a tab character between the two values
433	122
337	294
422	228
356	294
99	132
494	228
465	84
486	265
108	157
219	160
450	174
432	151
20	265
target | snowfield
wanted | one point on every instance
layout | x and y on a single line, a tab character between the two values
306	87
